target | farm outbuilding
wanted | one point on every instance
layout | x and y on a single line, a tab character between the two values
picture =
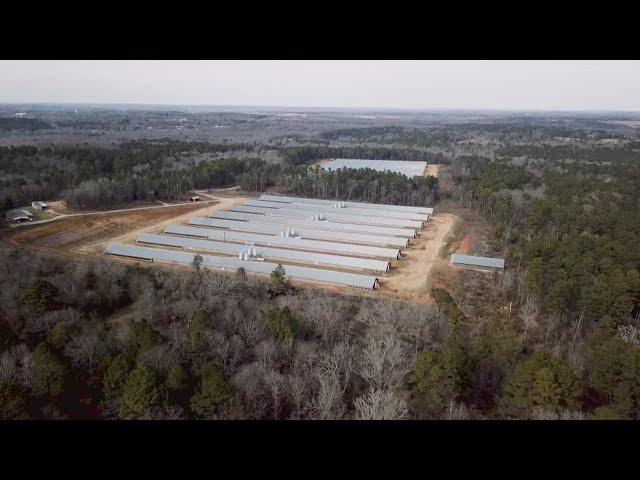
292	242
317	224
317	201
39	206
330	216
302	232
341	207
232	264
480	263
268	253
19	215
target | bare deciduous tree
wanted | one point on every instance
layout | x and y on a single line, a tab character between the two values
298	389
544	414
275	384
328	404
384	361
380	405
529	312
629	334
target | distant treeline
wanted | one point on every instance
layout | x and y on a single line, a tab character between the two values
365	185
23	124
570	152
412	137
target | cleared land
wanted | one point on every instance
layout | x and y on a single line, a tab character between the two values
89	234
433	169
409	277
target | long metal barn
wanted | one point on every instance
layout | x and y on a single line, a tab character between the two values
299	232
324	241
316	201
331	216
285	242
317	224
338	208
232	264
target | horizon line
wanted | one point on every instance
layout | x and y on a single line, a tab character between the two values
301	107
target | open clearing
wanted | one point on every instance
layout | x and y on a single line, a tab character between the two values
409	278
433	169
88	235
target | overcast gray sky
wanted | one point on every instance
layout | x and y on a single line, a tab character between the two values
540	85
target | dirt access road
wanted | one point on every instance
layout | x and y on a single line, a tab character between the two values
409	278
89	233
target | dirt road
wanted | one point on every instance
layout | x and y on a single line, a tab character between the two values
132	235
409	277
90	233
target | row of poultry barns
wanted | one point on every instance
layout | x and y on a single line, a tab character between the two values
341	243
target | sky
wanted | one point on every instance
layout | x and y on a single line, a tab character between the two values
477	84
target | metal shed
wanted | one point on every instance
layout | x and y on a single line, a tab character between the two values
329	215
19	215
316	201
341	207
305	233
285	242
268	253
482	263
232	264
315	224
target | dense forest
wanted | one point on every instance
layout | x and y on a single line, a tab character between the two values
571	231
29	124
100	178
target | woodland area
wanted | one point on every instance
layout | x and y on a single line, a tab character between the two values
558	336
90	177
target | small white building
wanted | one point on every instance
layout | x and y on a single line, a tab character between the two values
39	206
20	115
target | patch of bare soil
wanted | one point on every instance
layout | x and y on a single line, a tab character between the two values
89	234
409	277
158	226
433	170
476	292
320	163
465	245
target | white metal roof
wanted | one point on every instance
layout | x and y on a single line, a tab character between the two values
302	232
316	224
285	242
471	260
314	201
338	208
269	253
330	215
408	168
251	266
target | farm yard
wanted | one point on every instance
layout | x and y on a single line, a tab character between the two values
313	239
320	243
